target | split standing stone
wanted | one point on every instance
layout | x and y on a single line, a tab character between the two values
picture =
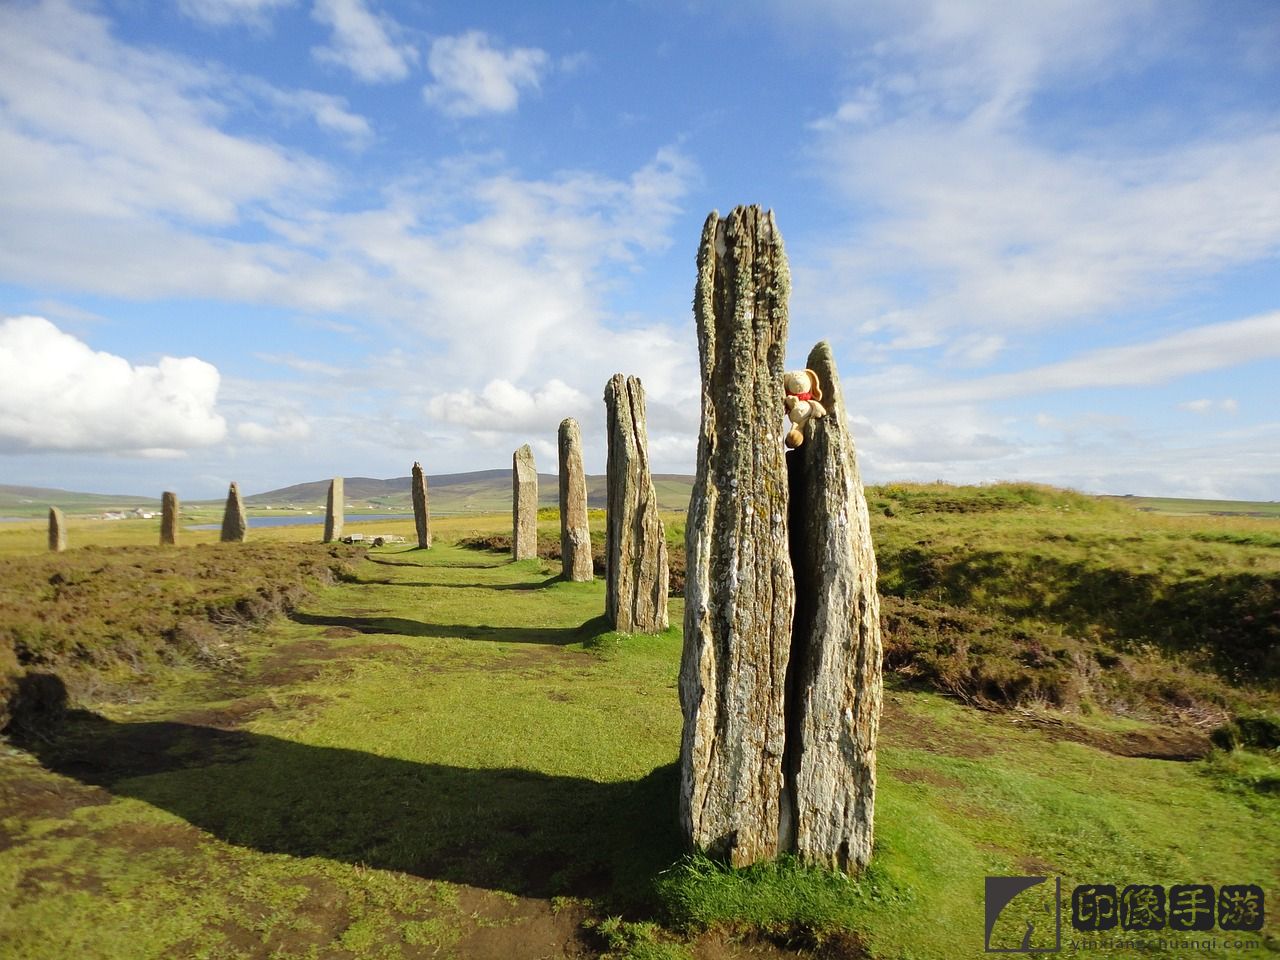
739	589
524	505
834	677
636	543
57	530
334	512
234	524
168	519
575	535
421	507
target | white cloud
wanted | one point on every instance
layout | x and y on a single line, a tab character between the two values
1008	222
1210	347
500	406
95	129
328	112
483	270
282	428
363	42
220	13
57	393
472	77
1206	406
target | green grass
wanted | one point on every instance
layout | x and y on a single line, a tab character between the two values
449	754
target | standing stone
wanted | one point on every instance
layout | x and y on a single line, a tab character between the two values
834	686
636	543
421	506
57	530
168	519
575	536
524	505
739	590
334	514
234	524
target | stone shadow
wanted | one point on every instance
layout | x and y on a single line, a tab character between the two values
556	636
508	829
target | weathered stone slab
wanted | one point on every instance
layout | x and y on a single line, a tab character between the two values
575	535
421	507
234	523
168	519
739	590
524	505
834	685
57	530
635	541
334	511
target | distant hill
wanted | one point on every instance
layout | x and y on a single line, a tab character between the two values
16	501
481	491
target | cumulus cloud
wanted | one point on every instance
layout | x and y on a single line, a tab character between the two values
363	42
472	77
502	407
57	393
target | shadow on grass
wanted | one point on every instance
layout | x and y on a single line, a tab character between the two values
516	830
444	565
530	585
586	632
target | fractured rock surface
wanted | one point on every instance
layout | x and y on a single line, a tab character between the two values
575	535
334	514
57	530
421	507
739	590
834	685
234	524
524	505
780	679
168	519
635	541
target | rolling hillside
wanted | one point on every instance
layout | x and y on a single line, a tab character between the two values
16	501
483	491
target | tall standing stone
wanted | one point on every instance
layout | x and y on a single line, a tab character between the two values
524	505
421	506
234	524
334	512
635	542
834	685
168	519
739	589
575	535
57	530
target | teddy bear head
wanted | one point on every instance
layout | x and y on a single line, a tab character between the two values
799	382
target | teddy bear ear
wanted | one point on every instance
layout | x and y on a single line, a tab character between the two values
815	387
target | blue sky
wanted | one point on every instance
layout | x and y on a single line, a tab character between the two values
277	240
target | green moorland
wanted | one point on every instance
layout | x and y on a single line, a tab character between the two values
280	749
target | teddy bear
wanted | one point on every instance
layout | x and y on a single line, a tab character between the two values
801	403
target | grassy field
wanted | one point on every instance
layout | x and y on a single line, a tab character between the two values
445	753
1182	506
